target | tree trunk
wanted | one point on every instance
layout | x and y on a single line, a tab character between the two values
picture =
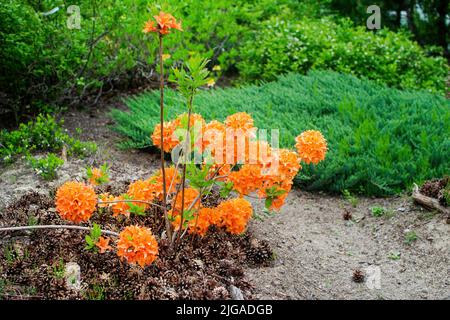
410	17
442	10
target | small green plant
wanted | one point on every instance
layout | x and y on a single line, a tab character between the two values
9	254
428	215
46	167
45	133
410	237
350	198
3	284
389	213
378	211
32	220
58	269
14	253
93	237
97	292
394	255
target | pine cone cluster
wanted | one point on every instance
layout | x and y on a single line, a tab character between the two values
433	187
259	252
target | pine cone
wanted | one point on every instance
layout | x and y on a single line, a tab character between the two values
431	188
259	252
347	215
358	276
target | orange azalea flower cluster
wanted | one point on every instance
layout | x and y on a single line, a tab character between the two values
233	215
311	146
263	169
164	22
137	245
148	190
76	201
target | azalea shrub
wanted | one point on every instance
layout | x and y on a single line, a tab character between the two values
232	158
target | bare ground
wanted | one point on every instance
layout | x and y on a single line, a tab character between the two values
316	250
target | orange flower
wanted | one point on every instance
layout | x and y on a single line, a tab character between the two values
234	215
165	22
75	201
200	223
278	202
195	120
190	194
103	244
105	197
214	140
96	174
311	146
143	190
247	179
289	164
240	120
202	220
149	27
120	207
239	131
170	140
137	245
172	179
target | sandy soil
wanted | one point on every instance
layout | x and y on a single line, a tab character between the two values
316	249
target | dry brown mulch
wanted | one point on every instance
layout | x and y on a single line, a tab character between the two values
203	268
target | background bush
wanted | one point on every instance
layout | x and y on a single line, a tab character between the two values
45	64
43	134
280	46
381	140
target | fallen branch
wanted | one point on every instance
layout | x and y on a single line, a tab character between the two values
427	202
55	226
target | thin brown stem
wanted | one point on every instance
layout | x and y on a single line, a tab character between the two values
161	112
55	226
130	200
187	143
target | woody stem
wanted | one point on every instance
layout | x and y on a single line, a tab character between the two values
161	113
185	152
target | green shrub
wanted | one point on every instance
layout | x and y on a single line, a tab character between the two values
380	139
42	58
46	167
280	46
43	134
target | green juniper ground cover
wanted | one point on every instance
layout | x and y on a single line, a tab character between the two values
381	140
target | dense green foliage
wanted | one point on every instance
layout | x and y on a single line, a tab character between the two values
42	59
427	20
380	139
43	134
46	167
386	57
